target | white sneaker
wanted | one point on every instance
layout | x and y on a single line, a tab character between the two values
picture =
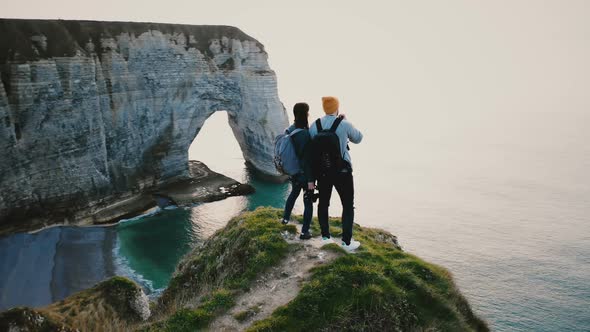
352	246
327	240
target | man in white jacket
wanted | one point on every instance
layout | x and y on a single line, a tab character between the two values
342	178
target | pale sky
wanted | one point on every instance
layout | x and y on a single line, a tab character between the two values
421	59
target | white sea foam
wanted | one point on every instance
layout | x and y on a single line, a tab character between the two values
156	210
122	268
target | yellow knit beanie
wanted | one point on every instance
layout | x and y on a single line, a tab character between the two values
330	104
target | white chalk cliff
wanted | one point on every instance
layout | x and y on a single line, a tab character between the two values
93	112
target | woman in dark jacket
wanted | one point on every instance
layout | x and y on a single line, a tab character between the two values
304	180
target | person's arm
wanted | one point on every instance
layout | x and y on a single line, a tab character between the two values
354	135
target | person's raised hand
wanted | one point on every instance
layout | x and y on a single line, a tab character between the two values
310	185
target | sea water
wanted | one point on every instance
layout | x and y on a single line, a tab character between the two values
503	202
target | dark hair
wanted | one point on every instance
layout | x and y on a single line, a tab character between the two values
300	111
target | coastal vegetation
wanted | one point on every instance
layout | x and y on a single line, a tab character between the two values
378	288
116	304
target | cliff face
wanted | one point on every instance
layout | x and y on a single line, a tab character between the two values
92	112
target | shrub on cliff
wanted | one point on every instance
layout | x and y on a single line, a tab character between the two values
113	305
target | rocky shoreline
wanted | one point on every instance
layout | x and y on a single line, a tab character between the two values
202	185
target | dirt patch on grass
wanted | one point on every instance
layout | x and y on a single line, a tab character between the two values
276	287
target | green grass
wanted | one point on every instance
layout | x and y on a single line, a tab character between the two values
226	265
190	319
376	289
246	314
380	288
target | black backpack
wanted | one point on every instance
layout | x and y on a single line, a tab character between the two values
327	156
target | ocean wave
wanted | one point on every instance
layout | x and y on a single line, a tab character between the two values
122	268
153	212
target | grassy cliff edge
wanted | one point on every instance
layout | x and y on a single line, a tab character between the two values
379	288
116	304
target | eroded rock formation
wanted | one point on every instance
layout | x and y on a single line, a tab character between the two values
95	112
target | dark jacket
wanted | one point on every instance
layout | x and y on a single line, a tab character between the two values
301	143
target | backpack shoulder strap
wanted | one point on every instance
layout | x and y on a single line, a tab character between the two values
318	124
295	144
336	124
295	131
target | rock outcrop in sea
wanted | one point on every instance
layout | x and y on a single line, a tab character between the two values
92	113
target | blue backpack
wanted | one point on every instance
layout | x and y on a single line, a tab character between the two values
286	159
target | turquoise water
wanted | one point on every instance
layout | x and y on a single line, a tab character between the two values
502	201
153	245
149	247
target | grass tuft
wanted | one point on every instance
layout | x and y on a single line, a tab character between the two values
333	247
247	314
191	319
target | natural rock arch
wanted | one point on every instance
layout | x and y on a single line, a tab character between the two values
93	112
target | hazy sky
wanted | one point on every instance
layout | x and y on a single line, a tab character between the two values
392	58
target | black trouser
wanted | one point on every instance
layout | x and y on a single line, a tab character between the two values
344	185
298	184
